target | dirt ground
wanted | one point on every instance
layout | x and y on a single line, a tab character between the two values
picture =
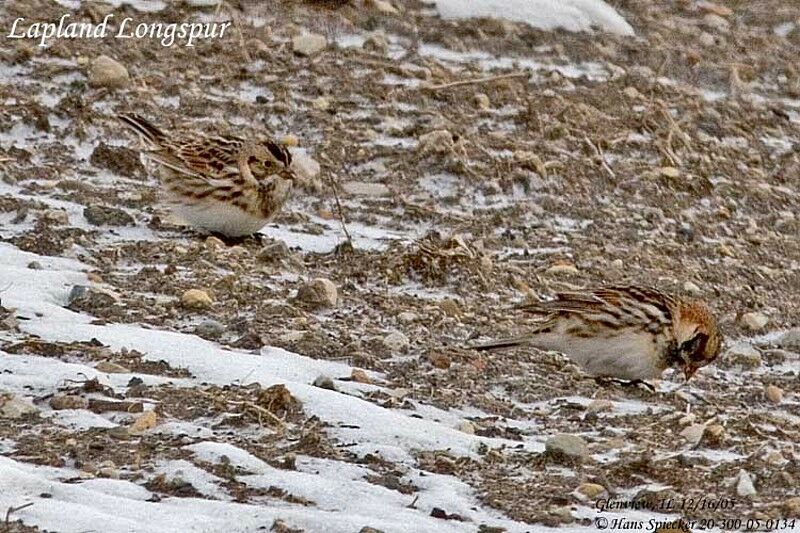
669	158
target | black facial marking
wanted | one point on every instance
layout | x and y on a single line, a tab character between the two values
695	347
280	153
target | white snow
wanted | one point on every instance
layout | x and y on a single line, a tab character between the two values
344	500
488	62
364	237
185	472
80	419
213	452
571	15
343	504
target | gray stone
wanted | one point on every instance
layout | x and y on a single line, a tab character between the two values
362	188
396	342
304	166
438	141
210	329
14	407
60	402
567	448
693	433
106	72
744	485
790	340
324	382
318	293
101	215
754	321
309	44
745	355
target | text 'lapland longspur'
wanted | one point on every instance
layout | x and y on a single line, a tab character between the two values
630	333
218	184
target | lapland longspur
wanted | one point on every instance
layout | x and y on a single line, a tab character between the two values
218	184
630	333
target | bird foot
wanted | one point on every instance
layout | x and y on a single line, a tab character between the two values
606	381
256	238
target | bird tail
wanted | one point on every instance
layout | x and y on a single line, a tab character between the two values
143	128
503	344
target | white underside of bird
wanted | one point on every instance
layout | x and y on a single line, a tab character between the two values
630	354
218	217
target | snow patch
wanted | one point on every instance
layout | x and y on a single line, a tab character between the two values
571	15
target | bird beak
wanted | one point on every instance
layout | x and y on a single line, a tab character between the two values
289	174
689	371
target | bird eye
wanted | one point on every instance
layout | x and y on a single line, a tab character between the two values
695	347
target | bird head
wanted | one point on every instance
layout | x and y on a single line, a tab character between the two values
699	340
268	158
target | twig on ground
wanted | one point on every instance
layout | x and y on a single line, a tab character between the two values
339	210
260	410
235	21
601	156
11	510
486	79
335	188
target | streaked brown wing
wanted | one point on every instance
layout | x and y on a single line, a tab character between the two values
621	305
210	155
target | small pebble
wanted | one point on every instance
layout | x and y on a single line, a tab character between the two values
318	293
196	299
714	434
360	376
692	288
567	448
744	485
754	321
210	329
438	141
562	269
439	360
482	101
465	426
774	394
591	490
111	368
362	188
309	44
670	172
321	103
382	6
143	422
450	307
407	317
107	72
60	402
324	382
396	342
693	433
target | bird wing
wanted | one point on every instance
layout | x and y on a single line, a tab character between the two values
615	305
210	156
